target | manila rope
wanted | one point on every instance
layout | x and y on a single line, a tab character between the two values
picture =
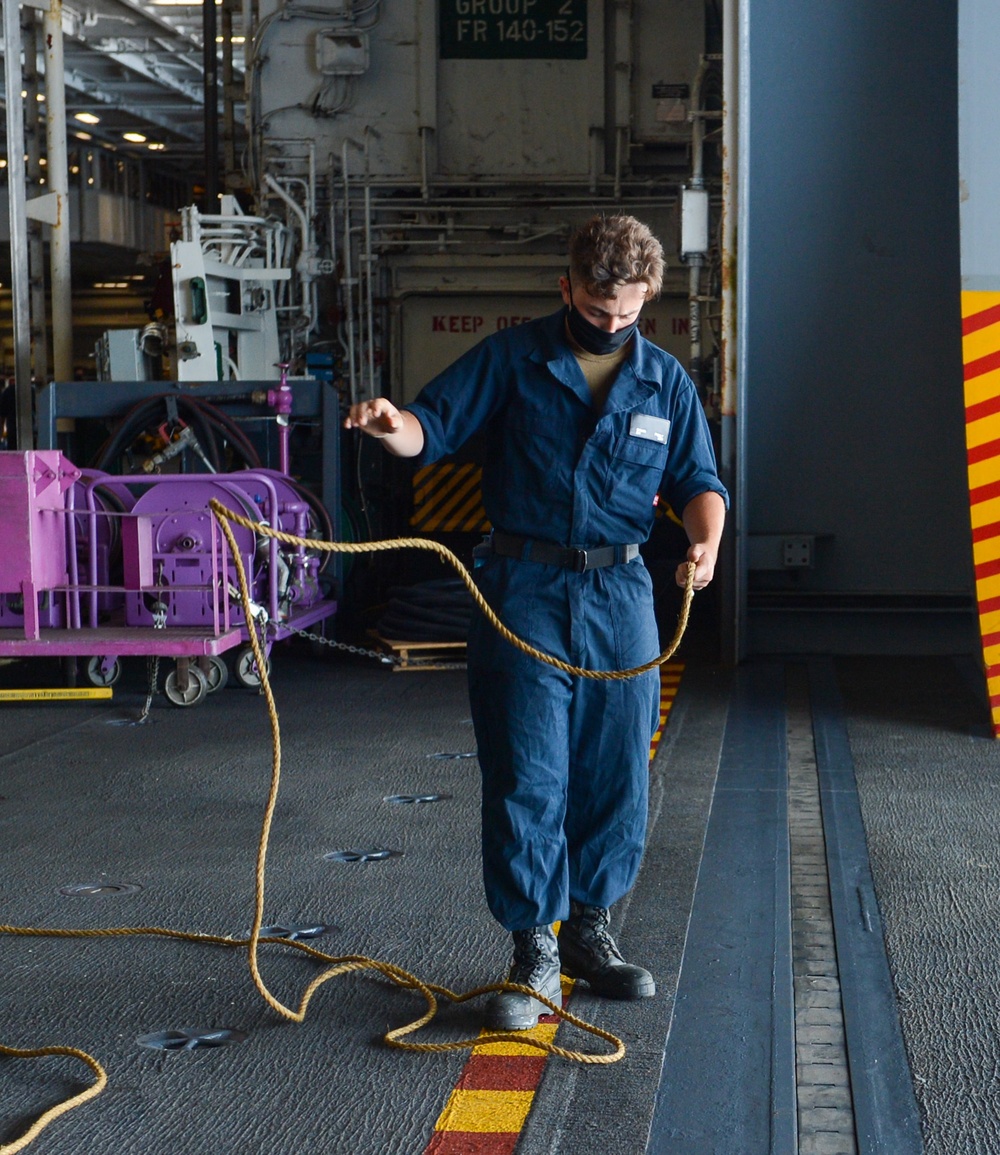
346	963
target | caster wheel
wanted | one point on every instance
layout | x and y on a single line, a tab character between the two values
97	675
197	688
217	674
245	669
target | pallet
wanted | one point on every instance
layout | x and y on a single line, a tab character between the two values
422	655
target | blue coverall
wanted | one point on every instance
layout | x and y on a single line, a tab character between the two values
564	759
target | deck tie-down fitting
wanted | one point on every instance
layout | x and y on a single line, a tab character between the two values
344	964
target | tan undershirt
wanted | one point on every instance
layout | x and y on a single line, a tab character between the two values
599	369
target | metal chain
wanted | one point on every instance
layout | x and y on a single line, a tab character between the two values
153	669
378	655
153	663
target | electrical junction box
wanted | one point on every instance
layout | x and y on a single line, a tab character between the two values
341	52
694	222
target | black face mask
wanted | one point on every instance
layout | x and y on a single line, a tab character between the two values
595	340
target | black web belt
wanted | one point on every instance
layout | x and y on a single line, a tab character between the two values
548	553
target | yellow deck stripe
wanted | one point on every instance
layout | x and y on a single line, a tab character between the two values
486	1111
54	694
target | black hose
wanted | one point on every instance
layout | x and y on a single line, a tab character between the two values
210	425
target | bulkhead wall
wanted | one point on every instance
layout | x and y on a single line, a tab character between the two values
471	90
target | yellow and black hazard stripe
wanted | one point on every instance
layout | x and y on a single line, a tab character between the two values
447	498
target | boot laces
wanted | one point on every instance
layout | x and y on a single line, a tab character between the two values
530	957
596	921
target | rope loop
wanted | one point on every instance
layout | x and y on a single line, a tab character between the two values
345	964
226	515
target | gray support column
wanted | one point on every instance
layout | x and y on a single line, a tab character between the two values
18	224
58	182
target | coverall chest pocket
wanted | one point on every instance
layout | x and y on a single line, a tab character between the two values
637	465
539	449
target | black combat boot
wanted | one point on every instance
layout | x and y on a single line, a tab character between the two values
587	951
535	965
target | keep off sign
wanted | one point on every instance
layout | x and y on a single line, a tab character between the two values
436	331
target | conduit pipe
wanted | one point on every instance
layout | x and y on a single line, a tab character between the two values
349	279
696	260
17	213
307	251
58	181
733	352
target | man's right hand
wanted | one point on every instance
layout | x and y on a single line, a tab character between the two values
400	432
378	418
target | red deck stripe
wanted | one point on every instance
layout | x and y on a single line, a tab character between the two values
989	605
982	365
473	1143
991	639
502	1073
980	320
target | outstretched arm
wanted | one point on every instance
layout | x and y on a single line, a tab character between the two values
703	517
398	430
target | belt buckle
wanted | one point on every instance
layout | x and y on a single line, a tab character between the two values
580	561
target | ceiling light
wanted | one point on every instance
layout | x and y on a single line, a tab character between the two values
134	137
87	118
156	146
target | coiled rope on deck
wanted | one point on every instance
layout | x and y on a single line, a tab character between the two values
344	964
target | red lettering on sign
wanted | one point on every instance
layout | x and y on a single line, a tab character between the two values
680	325
457	323
648	326
507	322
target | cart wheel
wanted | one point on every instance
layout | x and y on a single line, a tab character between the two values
97	676
197	688
217	674
245	669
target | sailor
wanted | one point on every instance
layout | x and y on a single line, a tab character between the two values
587	425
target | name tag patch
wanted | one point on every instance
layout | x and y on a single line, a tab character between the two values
649	428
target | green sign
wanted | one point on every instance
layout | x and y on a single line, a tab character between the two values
513	29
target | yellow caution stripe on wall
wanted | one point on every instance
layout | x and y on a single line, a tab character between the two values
981	357
447	498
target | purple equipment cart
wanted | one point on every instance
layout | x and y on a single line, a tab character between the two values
101	567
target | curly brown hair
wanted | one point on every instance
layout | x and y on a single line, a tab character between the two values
608	252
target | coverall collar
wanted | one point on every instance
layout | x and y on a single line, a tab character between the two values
636	379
